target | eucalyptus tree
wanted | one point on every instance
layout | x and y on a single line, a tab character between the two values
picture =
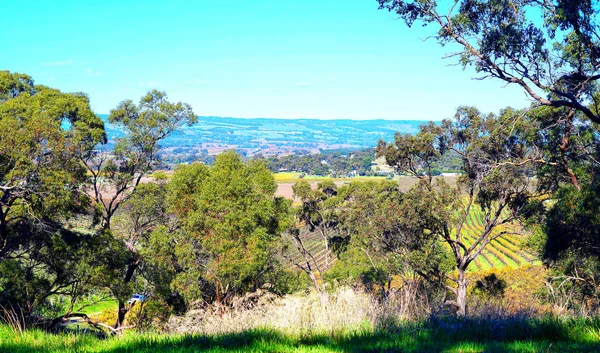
548	48
42	133
116	175
567	222
229	223
142	212
494	177
117	172
385	241
319	213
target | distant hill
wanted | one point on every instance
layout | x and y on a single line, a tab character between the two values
277	136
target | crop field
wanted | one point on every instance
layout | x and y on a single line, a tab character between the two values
292	177
505	251
315	245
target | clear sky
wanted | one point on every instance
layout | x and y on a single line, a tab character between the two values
244	58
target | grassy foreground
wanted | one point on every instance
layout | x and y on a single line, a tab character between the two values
526	335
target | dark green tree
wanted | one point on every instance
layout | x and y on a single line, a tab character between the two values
42	134
384	241
229	225
572	247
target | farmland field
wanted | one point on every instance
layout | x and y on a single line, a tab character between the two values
286	180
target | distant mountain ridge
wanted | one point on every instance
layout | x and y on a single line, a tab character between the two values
256	134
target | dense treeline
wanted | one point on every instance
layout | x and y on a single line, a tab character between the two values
78	219
347	163
331	163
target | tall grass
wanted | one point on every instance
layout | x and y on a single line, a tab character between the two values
344	310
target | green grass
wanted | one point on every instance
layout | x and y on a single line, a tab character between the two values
101	306
446	335
89	305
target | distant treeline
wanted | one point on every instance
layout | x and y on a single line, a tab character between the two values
346	162
335	162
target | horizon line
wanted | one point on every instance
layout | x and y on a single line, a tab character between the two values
322	119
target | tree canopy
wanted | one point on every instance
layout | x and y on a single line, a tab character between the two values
548	48
230	221
43	131
494	178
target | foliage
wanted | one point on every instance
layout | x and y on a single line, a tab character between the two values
573	223
325	164
143	211
548	48
384	235
117	174
494	178
40	174
573	234
229	223
42	133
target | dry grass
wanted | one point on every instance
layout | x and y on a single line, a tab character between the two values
344	310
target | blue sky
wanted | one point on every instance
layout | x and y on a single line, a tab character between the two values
244	58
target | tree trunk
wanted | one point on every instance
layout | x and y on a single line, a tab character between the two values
461	293
122	311
121	314
315	281
326	253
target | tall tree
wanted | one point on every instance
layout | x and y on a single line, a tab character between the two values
319	211
551	49
229	222
117	174
548	48
494	178
386	238
42	134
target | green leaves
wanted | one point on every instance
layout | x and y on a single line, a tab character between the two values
496	164
230	221
150	121
14	84
42	134
548	48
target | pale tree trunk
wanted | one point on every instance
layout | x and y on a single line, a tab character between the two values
326	252
461	293
315	281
